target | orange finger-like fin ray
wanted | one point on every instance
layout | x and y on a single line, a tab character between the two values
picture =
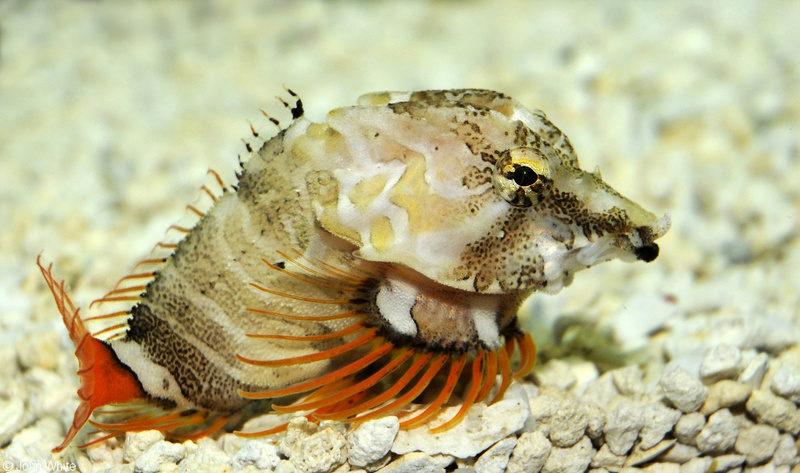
343	277
178	229
505	372
315	401
386	395
124	290
527	349
310	281
452	377
97	440
321	318
166	421
348	370
304	299
384	380
195	211
476	382
433	368
209	193
109	329
263	433
490	374
217	177
334	400
121	313
311	338
149	262
332	270
369	335
213	427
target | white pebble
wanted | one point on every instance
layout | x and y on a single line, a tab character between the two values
33	442
697	465
12	418
530	453
572	459
658	420
104	453
786	383
623	422
639	455
773	333
321	452
556	373
371	441
495	459
755	371
722	362
285	466
48	392
683	390
757	443
153	459
543	408
596	421
482	427
725	393
680	453
39	349
298	430
605	458
688	426
628	380
257	452
727	462
600	391
208	452
664	467
786	451
678	345
568	424
776	411
414	462
719	433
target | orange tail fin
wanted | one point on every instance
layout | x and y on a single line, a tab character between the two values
104	379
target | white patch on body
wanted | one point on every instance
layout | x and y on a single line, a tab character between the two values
486	325
395	300
151	375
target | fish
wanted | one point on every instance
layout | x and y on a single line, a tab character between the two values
369	265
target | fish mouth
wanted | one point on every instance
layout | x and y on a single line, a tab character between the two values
646	253
641	240
635	245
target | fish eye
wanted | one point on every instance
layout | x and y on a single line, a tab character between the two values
522	176
525	176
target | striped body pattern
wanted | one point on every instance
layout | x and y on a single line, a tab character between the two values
356	266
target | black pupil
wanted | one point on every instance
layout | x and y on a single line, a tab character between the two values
525	176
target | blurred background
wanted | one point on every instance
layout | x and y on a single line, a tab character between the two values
112	112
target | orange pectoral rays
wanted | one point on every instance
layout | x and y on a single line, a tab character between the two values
381	378
340	396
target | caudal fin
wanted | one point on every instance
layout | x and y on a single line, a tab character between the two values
104	379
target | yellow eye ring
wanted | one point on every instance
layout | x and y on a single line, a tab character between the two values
522	176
